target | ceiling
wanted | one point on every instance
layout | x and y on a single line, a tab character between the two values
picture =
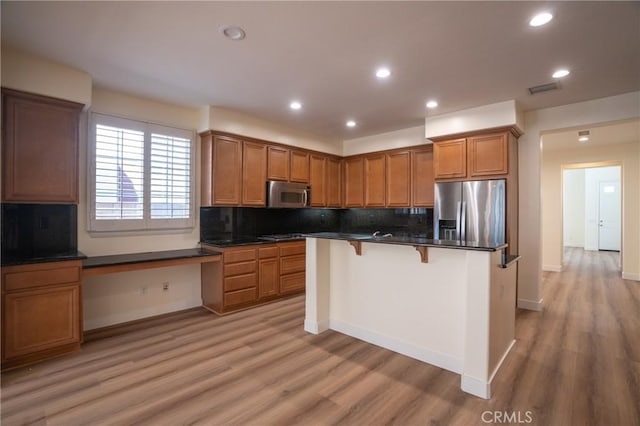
324	54
609	134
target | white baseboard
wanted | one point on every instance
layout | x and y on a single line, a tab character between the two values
531	305
479	387
627	276
441	360
475	386
315	327
552	268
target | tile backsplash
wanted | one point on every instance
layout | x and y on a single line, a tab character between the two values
38	230
222	223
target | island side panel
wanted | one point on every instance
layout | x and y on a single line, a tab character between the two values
388	297
503	312
317	286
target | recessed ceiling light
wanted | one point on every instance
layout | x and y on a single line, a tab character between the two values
383	72
432	104
233	32
540	19
295	105
351	123
583	138
560	73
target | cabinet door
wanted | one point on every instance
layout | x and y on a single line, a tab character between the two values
334	183
277	163
398	180
374	181
488	154
40	319
299	167
450	159
354	182
254	174
268	281
292	283
318	177
422	177
227	171
40	149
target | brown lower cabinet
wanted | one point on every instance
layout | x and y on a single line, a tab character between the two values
253	274
41	311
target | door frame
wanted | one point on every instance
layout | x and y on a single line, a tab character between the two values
593	165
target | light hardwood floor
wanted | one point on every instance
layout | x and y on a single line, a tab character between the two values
575	363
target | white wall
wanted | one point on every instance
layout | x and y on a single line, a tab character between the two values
593	177
226	120
625	154
116	298
573	210
614	108
397	139
22	71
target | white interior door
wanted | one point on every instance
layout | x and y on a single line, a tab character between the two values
609	216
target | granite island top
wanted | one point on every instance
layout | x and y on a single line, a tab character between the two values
408	240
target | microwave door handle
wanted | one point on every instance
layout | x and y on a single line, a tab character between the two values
304	200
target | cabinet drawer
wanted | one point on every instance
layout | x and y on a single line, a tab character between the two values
267	252
292	282
291	249
239	255
239	268
292	264
239	282
240	296
38	278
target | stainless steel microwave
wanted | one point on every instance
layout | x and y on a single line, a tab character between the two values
288	194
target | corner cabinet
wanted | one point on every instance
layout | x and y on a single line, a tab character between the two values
41	311
39	148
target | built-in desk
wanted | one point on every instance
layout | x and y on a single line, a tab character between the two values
100	265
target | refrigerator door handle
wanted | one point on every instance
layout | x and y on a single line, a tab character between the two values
463	221
458	220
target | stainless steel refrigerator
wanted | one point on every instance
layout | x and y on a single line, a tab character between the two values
471	211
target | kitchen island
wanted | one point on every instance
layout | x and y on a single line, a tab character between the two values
451	304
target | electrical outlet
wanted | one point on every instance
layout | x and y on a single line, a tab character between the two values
165	286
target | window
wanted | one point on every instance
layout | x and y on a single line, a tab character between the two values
141	176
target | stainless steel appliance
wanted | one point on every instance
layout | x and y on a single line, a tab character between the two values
288	194
471	211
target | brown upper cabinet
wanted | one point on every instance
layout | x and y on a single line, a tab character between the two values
476	156
318	180
353	182
488	155
422	177
221	182
450	159
299	171
334	182
254	174
278	163
39	148
398	181
374	180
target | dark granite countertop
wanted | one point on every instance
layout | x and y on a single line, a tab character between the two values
410	241
59	257
245	241
123	259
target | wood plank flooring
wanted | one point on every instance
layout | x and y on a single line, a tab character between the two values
575	363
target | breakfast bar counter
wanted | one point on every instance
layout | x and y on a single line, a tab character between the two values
456	310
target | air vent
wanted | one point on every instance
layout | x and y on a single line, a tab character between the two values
544	88
584	133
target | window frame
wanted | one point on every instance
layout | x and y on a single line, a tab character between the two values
146	224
